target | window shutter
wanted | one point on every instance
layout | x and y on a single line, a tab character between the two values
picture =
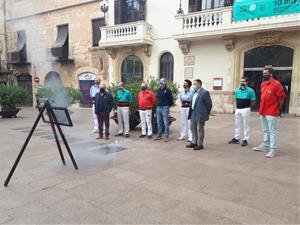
118	11
96	24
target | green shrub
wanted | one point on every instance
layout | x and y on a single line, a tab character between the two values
12	96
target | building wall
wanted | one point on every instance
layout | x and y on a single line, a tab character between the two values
212	59
2	31
40	20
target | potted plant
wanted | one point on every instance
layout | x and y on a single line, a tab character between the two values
10	97
134	87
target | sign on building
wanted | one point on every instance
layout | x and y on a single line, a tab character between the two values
252	9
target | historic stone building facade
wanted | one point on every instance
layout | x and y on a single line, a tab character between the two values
54	41
200	39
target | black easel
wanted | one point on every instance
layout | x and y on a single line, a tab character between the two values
53	122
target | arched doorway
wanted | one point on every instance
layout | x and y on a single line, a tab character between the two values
53	78
132	69
166	68
25	81
281	60
86	81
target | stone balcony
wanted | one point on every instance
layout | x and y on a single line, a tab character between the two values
126	35
219	23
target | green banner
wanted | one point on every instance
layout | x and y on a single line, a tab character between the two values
252	9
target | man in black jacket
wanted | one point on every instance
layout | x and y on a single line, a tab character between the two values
164	102
103	106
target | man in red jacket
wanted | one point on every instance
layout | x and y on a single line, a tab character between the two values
147	101
271	101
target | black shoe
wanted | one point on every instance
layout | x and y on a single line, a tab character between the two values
233	141
191	145
150	137
119	135
142	136
127	135
198	147
244	143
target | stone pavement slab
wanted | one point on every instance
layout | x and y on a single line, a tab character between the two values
134	181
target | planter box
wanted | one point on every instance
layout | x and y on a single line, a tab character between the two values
10	113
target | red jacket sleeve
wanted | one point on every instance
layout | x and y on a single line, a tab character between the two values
280	92
153	98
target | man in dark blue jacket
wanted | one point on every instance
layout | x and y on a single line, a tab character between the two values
164	102
103	106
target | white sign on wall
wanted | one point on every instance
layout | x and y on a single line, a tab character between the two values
188	72
87	76
189	60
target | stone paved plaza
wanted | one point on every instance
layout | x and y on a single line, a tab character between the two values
133	181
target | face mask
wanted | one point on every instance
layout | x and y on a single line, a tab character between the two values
266	77
143	88
195	88
243	84
102	90
161	84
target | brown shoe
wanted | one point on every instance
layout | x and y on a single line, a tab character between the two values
106	137
100	137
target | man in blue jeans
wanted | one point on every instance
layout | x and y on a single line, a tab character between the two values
164	102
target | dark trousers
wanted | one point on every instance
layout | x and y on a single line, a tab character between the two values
197	131
103	118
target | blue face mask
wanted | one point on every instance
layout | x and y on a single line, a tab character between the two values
161	84
194	88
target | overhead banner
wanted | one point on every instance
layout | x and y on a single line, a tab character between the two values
252	9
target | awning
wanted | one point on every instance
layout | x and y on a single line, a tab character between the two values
62	35
254	9
21	41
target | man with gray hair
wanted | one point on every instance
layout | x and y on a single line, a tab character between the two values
93	91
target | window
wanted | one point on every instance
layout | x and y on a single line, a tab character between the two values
167	66
61	45
127	11
199	5
96	24
132	69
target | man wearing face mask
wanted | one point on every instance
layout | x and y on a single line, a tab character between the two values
103	106
93	91
164	102
199	114
186	96
271	101
124	98
245	98
147	101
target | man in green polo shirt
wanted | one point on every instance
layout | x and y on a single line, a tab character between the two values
124	98
245	98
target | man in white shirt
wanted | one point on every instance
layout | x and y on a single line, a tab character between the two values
93	91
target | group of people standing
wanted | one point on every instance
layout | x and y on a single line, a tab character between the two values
196	106
271	102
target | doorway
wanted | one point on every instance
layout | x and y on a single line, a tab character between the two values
25	81
86	81
280	58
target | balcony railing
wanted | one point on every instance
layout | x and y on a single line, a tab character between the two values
219	22
126	34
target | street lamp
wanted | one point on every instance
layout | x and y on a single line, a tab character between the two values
180	10
104	8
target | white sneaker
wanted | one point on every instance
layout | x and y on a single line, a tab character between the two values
180	139
270	154
261	148
94	131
